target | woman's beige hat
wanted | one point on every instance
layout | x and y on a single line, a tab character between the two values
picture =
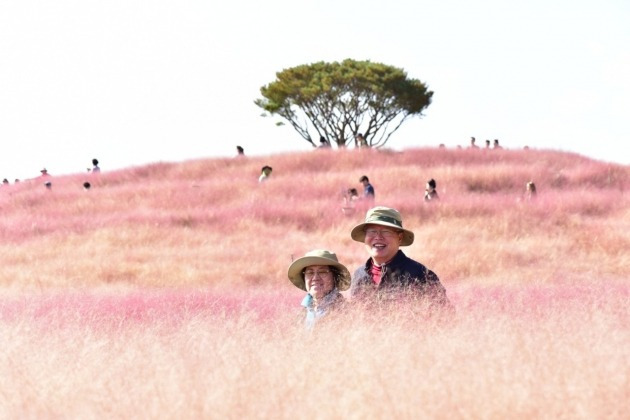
383	216
318	257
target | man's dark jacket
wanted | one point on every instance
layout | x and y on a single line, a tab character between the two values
400	276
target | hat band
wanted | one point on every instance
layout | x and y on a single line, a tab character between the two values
385	219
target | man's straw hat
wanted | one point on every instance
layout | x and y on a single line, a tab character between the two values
383	216
318	257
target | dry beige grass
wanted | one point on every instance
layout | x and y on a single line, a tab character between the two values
507	354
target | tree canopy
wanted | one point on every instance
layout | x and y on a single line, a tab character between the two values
337	101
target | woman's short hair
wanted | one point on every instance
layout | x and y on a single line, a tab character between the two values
338	275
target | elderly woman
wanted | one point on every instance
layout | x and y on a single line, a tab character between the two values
320	274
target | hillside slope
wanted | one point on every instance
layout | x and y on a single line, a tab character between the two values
209	222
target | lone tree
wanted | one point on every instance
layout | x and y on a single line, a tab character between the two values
340	100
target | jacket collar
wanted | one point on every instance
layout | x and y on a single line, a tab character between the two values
393	262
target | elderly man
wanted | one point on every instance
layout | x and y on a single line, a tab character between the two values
389	273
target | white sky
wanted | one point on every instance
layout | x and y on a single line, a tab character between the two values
133	82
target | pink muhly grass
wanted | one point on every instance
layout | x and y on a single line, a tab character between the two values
169	224
141	305
170	280
508	352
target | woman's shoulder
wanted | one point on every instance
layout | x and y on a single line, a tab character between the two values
338	301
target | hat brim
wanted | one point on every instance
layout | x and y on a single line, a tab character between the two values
296	268
358	232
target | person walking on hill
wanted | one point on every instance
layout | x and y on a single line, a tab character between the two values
324	143
530	190
95	168
430	192
265	173
360	142
350	198
45	176
389	274
368	189
323	277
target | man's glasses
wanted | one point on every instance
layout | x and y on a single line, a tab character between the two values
311	274
385	233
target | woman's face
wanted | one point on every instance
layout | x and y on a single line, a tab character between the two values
319	280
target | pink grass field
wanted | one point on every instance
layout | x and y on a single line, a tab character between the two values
162	292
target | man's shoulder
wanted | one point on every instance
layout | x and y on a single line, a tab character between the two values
402	258
412	266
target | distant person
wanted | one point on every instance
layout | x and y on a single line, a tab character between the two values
430	192
323	277
265	173
368	189
240	152
496	144
472	143
44	173
350	197
5	181
442	146
487	144
389	274
324	143
360	142
95	167
48	185
530	190
87	185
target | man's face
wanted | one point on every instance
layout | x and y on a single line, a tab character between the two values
382	242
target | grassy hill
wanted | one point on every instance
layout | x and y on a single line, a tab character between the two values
161	292
210	223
